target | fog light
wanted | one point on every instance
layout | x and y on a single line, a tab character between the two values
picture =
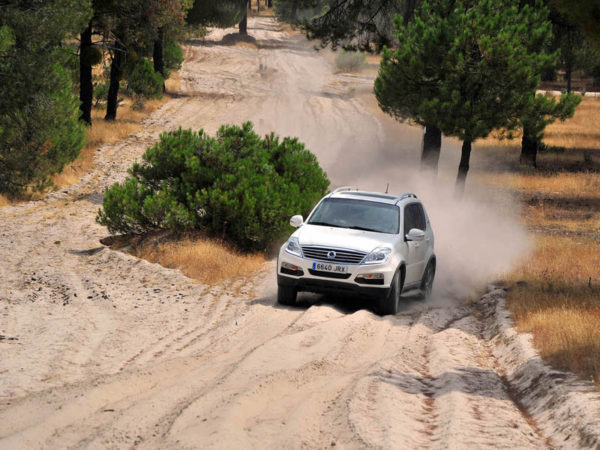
291	269
370	278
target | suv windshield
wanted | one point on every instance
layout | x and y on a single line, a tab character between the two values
357	215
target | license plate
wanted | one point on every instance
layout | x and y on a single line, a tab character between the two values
325	267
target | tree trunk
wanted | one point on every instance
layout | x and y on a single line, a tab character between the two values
86	86
569	76
158	55
463	169
116	72
529	148
270	3
294	12
243	26
409	11
432	143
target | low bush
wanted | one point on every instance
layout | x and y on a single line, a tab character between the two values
349	61
173	55
237	186
144	81
100	92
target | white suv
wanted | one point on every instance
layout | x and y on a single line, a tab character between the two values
365	243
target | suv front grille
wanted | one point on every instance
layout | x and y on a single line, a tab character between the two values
341	256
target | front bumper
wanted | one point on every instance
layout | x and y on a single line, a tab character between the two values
332	287
307	279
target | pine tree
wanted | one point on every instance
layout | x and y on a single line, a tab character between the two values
539	112
464	66
39	128
168	17
134	25
363	24
90	55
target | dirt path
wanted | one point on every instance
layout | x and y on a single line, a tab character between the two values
102	350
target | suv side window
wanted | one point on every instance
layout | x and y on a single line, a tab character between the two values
420	214
409	218
414	217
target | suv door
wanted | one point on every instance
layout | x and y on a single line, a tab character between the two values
414	217
424	246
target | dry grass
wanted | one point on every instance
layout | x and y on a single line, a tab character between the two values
206	260
348	61
556	292
581	131
565	183
557	298
4	201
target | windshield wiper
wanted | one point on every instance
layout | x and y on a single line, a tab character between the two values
325	224
364	229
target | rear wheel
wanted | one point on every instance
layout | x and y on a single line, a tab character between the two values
391	303
286	295
427	281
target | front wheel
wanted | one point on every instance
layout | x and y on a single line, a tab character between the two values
286	295
390	304
427	281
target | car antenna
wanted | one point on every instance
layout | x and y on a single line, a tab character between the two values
387	187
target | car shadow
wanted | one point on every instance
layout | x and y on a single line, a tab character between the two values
343	304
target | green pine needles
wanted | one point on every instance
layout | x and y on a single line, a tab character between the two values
467	67
144	81
235	185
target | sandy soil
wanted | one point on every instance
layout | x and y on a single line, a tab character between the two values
101	350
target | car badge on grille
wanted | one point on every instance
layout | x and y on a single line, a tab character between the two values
331	255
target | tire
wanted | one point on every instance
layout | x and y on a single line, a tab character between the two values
427	281
390	304
286	295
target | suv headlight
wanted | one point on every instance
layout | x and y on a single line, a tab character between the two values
293	247
378	256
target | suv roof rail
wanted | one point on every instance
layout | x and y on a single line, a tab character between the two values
405	195
345	188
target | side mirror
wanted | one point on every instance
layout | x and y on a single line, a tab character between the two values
296	221
415	235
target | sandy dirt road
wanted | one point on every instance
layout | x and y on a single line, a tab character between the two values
101	350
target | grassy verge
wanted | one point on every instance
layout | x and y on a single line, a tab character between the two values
207	260
555	294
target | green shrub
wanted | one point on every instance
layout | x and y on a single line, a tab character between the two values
100	92
173	55
194	31
40	135
144	81
236	185
348	61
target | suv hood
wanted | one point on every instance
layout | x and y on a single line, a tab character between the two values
365	241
